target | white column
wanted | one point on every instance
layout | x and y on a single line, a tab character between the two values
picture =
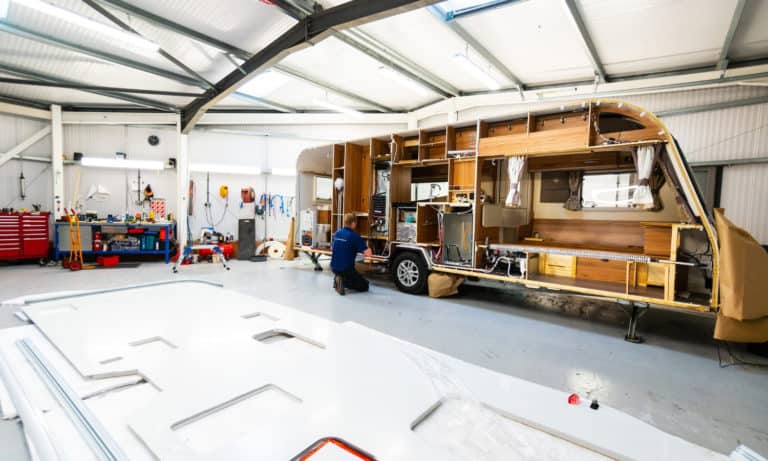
182	185
57	161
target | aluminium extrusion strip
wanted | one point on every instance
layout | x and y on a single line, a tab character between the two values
585	253
7	408
34	426
90	428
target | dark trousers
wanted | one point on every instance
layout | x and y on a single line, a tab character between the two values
353	280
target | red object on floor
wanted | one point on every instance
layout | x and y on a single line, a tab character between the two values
573	399
226	249
108	261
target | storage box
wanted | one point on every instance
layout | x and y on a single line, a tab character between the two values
108	261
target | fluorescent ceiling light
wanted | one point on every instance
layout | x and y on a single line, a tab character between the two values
265	83
128	40
226	169
120	163
337	108
283	171
403	80
477	72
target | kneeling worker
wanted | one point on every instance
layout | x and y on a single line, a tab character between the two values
346	245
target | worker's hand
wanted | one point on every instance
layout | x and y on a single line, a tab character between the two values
367	253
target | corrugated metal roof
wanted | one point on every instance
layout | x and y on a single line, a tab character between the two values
536	40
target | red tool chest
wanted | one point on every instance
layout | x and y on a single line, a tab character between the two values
23	235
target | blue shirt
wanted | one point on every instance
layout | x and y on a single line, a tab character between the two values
346	245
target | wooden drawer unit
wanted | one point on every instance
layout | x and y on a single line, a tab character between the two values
657	241
604	270
562	265
652	274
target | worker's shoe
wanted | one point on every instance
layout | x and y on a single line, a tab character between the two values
338	284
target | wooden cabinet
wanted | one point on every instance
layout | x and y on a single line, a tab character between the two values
562	265
603	270
652	274
657	240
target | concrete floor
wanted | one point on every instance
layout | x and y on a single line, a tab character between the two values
672	381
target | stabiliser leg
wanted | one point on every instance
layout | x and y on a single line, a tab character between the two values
638	310
316	261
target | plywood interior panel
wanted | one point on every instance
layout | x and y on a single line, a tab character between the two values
465	138
657	240
621	234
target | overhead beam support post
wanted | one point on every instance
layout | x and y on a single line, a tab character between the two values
477	46
57	161
586	38
182	186
722	60
309	30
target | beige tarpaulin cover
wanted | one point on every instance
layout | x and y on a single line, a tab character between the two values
743	315
441	285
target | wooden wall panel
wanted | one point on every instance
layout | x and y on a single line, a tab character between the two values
620	234
503	145
557	140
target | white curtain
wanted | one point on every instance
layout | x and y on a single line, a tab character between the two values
645	157
515	166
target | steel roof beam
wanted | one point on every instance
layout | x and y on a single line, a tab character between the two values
30	103
378	51
308	30
589	45
108	57
154	104
79	86
722	60
367	44
170	25
329	87
120	23
477	46
233	51
208	85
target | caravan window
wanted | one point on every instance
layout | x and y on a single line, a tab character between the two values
611	190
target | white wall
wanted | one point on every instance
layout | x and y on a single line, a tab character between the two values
221	145
14	130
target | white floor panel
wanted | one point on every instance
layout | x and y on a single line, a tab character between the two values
232	377
32	386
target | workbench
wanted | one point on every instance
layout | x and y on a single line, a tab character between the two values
87	229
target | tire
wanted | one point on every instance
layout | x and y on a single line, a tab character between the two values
410	272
